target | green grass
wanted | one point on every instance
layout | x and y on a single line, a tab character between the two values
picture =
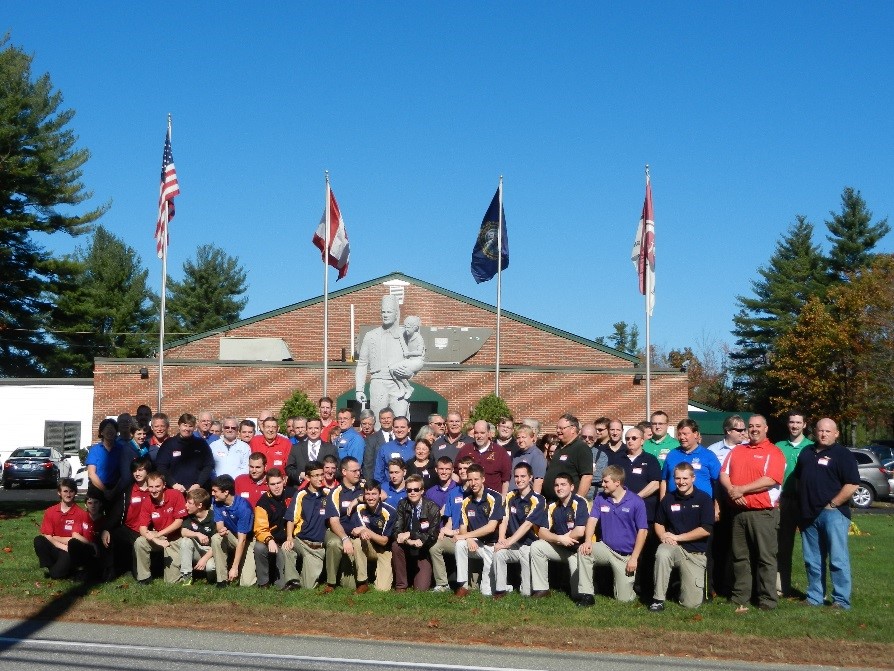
870	620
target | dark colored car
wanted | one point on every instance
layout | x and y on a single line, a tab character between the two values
873	479
882	451
35	465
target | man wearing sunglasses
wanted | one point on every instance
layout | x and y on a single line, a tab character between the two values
230	454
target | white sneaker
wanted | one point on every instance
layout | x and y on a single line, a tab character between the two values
440	588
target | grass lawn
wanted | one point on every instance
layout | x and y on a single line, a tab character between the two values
794	633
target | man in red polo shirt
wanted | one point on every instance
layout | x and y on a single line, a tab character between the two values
66	534
272	444
493	458
253	484
752	475
162	516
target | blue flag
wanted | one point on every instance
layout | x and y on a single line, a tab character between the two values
484	254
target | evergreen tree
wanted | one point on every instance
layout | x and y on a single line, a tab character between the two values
208	296
625	338
852	235
106	309
40	173
490	409
795	272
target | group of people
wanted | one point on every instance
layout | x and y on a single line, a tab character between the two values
355	503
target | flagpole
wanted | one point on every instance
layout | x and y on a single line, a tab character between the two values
648	297
499	282
326	293
164	291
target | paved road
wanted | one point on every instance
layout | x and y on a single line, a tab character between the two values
36	646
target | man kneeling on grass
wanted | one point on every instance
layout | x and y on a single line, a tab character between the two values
683	524
66	535
195	537
234	518
161	518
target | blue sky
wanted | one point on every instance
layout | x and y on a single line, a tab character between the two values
748	114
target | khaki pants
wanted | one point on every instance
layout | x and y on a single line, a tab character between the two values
286	564
366	551
542	553
517	554
142	551
692	567
222	548
438	565
311	563
602	555
190	553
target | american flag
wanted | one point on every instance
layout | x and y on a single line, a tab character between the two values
168	190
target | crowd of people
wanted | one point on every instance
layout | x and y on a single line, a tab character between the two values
353	503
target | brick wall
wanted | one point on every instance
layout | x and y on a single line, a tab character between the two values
599	383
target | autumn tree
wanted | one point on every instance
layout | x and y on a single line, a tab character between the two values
40	189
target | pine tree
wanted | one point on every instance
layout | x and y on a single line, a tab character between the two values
795	273
40	173
106	309
208	296
852	235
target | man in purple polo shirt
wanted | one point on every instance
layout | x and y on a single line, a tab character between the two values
622	515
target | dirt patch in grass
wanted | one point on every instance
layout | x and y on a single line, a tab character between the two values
271	621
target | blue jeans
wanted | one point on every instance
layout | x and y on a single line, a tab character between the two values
826	538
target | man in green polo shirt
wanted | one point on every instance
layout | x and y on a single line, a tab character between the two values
660	443
788	501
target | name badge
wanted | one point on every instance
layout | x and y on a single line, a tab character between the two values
345	504
604	509
696	466
278	462
638	471
69	524
823	461
563	457
244	495
512	509
423	525
394	455
675	507
136	499
155	514
365	519
176	453
470	513
458	499
322	511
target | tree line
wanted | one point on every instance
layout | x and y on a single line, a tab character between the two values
58	312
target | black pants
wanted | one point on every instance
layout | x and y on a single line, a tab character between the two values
61	563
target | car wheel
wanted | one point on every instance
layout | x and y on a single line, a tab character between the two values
864	496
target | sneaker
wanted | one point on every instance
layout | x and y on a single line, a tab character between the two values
656	606
186	578
440	588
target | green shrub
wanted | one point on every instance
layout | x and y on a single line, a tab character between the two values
298	404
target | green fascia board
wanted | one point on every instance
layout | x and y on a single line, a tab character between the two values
425	285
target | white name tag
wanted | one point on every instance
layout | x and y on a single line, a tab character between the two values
604	509
696	466
175	454
136	499
823	461
638	471
470	513
675	507
244	495
563	457
423	525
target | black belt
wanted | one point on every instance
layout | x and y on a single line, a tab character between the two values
311	544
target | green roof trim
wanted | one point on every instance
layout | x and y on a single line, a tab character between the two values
425	285
704	407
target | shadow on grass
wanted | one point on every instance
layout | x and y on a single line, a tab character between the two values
54	610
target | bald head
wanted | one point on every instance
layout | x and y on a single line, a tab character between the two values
826	432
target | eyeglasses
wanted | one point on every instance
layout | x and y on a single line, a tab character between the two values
588	438
633	438
562	428
414	490
235	428
438	423
659	423
739	428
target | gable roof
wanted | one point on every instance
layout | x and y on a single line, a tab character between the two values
425	285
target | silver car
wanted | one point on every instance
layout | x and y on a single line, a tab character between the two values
874	482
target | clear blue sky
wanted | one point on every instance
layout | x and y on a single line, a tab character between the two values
748	113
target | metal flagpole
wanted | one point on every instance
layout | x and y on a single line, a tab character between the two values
164	290
499	282
648	285
326	294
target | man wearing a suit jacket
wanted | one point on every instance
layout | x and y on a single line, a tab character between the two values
376	439
313	448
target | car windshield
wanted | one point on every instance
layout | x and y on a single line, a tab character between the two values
32	452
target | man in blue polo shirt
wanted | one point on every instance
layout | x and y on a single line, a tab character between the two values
482	511
398	447
704	462
234	518
683	525
340	557
827	476
306	527
621	515
525	513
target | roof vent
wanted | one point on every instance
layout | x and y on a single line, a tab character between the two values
396	289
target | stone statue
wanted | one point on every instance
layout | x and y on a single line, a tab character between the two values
391	354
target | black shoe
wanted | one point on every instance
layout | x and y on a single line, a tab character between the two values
222	585
585	601
656	606
291	585
145	581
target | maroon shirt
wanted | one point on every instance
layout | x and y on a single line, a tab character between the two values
495	461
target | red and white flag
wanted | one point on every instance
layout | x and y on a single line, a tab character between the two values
643	255
339	249
168	190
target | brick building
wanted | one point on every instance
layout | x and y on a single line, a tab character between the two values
543	371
